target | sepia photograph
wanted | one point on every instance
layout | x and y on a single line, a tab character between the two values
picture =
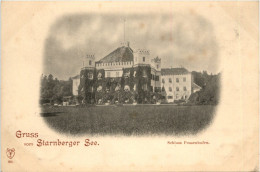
130	75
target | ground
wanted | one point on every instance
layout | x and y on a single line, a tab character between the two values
129	120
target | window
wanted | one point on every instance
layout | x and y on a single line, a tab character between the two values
163	89
118	87
144	73
90	62
157	66
117	74
163	81
127	74
90	75
170	89
184	89
135	87
99	88
127	88
99	75
177	79
170	80
184	79
108	74
145	87
156	78
170	97
177	89
143	59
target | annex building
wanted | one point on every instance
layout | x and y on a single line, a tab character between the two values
127	76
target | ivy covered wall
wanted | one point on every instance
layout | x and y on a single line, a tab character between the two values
133	86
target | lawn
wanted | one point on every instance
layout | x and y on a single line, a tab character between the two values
129	120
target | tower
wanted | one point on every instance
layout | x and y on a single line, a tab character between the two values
89	61
156	63
142	67
87	74
142	57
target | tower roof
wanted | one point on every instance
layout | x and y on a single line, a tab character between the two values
121	54
174	71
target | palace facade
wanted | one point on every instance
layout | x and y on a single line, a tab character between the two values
126	75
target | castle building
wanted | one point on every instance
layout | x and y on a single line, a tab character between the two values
126	71
177	83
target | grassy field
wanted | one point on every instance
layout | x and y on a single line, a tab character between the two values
129	120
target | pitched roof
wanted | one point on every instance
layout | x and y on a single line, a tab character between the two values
121	54
75	77
195	86
174	71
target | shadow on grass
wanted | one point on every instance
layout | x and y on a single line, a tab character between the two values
50	114
130	120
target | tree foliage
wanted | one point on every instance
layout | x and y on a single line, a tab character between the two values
53	90
210	92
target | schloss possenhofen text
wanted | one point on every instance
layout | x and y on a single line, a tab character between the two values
187	142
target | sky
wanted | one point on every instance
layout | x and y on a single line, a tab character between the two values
179	39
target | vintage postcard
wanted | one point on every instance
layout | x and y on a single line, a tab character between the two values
130	86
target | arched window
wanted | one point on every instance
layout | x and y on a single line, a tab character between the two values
99	75
127	88
143	59
90	62
99	88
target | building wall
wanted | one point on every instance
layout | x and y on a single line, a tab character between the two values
89	60
113	73
178	88
113	65
155	79
142	56
75	86
156	64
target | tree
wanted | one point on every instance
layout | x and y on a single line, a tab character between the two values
209	94
54	90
